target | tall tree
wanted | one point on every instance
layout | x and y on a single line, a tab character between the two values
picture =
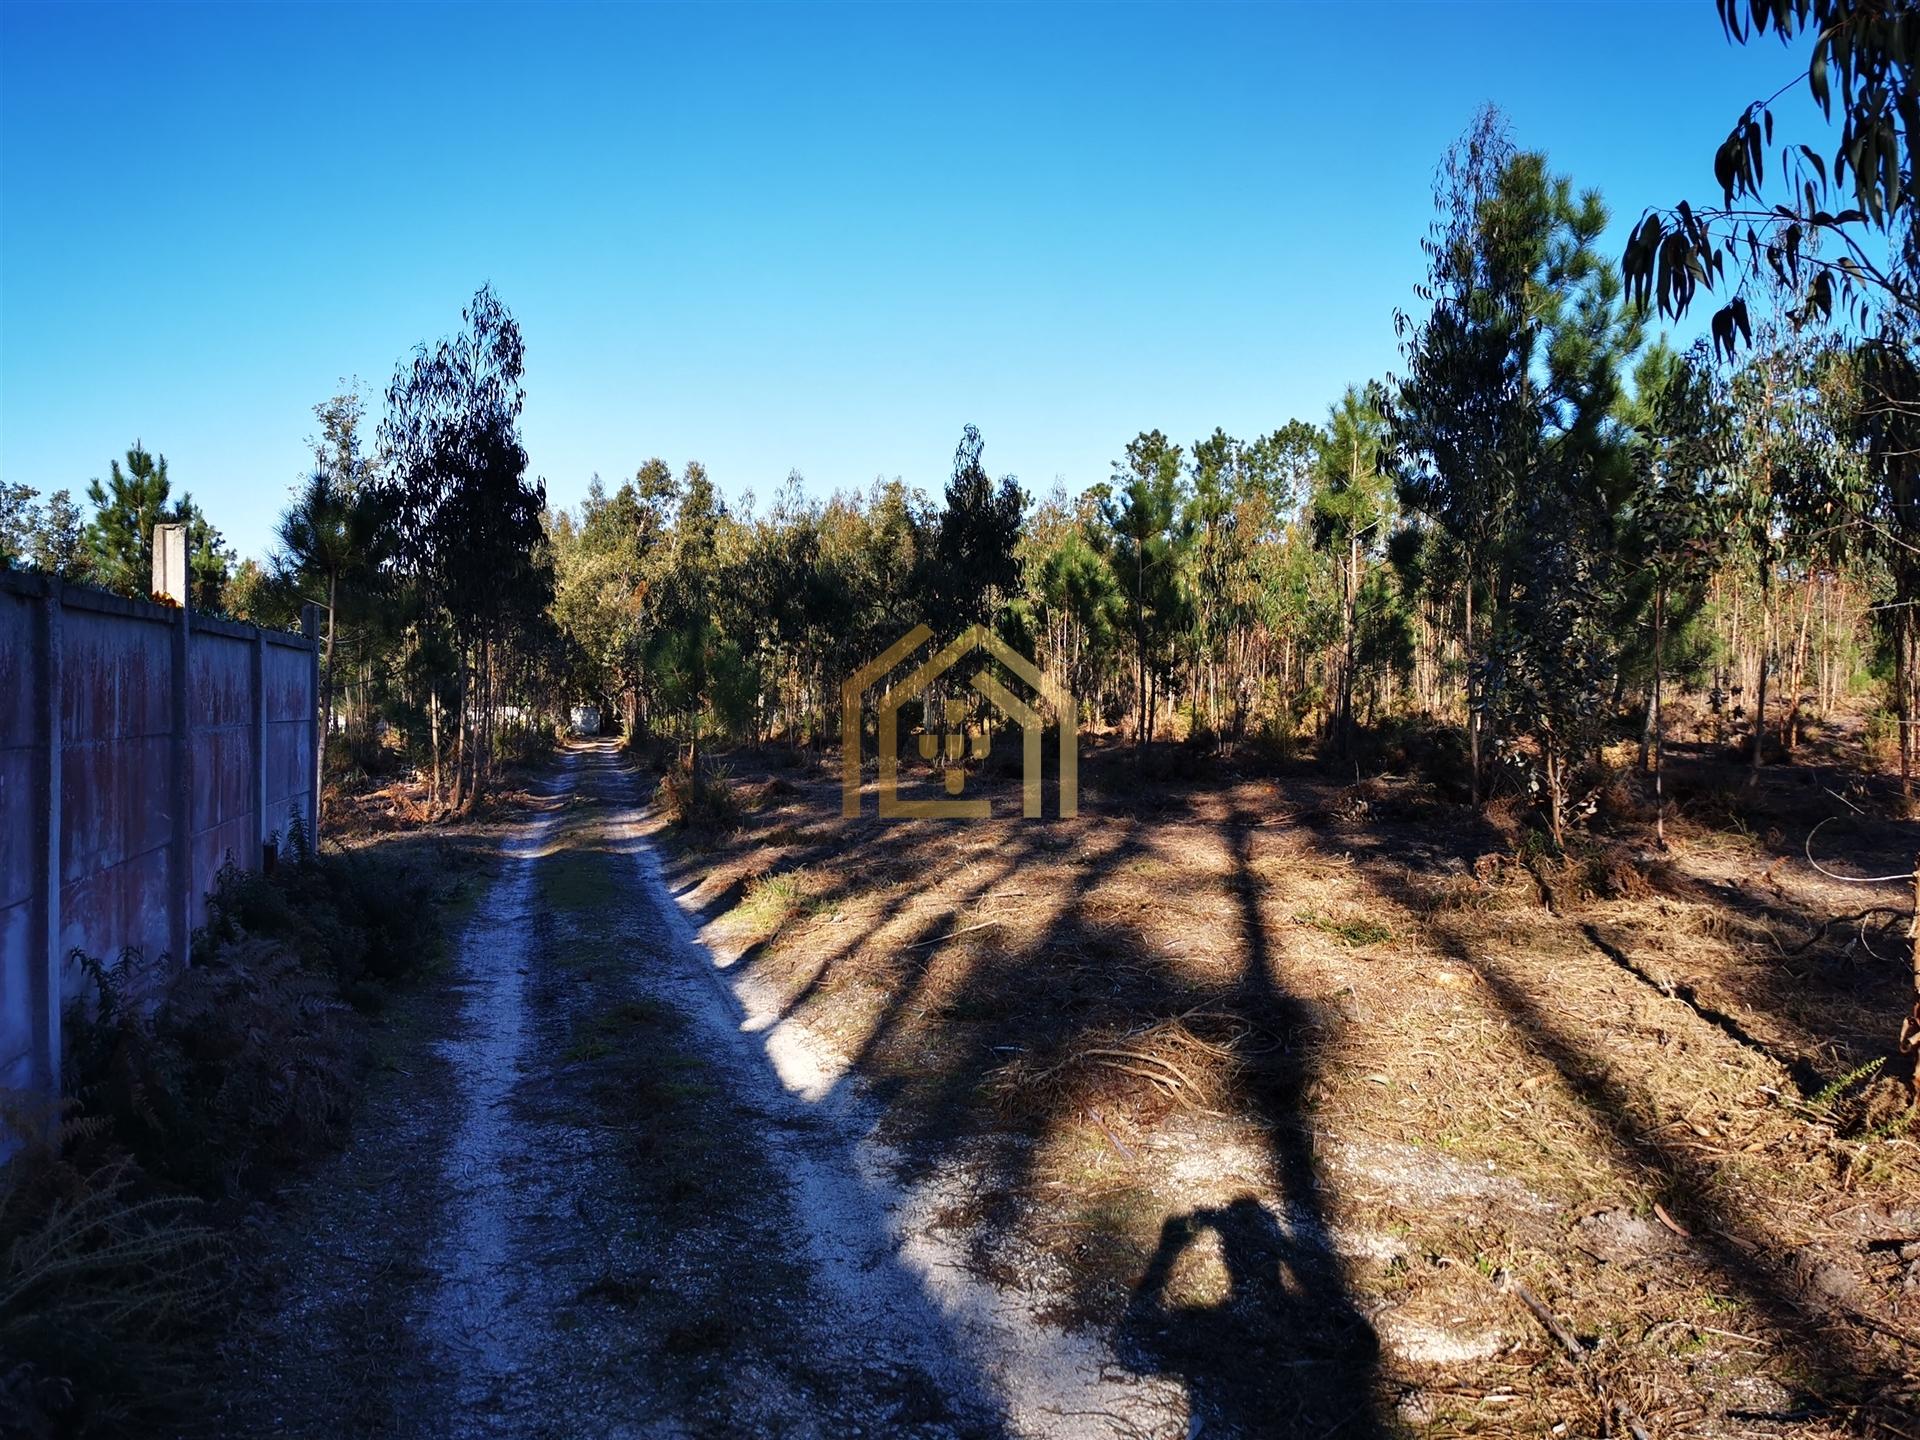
974	567
1460	415
1671	520
1507	418
19	516
467	519
1146	538
689	640
126	508
1350	505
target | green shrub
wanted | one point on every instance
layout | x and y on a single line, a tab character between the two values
713	804
365	922
244	1064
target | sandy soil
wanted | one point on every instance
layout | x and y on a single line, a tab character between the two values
601	1189
1319	1101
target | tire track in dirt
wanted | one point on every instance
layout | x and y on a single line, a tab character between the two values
599	1194
904	1281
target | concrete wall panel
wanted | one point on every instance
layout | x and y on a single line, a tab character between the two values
116	677
126	874
19	659
116	801
221	679
289	676
107	911
222	776
17	959
20	769
237	840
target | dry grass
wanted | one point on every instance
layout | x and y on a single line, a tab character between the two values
1349	1006
1191	1061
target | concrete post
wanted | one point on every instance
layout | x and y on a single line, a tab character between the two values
263	827
170	571
47	973
170	582
310	627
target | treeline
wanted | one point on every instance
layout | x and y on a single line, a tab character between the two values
1524	539
1534	531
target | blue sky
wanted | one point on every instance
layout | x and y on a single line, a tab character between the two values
770	238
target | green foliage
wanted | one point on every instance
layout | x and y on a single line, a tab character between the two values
972	567
126	508
1807	231
57	542
464	522
1146	536
1514	452
244	1065
712	805
18	515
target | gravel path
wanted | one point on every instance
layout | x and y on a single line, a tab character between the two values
599	1193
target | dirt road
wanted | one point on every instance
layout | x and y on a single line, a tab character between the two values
598	1190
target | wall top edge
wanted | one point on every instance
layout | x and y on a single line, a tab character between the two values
32	585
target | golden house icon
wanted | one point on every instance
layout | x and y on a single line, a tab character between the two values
892	697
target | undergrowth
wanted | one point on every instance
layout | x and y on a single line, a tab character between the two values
183	1089
710	804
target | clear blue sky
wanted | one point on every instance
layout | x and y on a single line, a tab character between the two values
780	238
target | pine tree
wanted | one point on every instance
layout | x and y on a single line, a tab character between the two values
126	508
1350	505
1146	538
974	566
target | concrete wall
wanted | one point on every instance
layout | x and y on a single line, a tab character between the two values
140	749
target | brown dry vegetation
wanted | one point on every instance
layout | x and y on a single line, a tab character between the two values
1326	1098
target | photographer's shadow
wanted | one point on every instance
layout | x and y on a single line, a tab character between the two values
1281	1352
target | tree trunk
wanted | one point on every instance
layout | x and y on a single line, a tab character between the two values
1796	676
1550	755
1903	681
1760	686
1349	614
326	697
1907	1047
1658	720
1473	708
433	732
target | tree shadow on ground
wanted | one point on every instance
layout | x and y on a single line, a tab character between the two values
1276	1343
1835	1357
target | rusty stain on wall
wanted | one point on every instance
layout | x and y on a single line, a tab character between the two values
117	875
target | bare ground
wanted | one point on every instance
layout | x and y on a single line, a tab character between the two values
1242	1105
1315	1101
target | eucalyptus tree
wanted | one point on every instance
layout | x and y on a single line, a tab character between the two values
467	520
1838	227
18	516
1672	519
331	537
57	543
689	641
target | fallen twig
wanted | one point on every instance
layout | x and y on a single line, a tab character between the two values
1562	1336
